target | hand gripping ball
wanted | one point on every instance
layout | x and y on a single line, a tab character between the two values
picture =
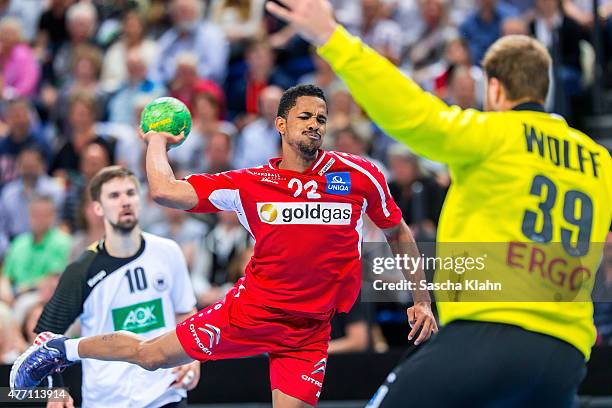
166	115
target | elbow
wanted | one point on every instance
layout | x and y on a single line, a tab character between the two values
172	195
147	358
157	194
405	233
160	186
161	197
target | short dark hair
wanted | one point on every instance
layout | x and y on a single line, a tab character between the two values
521	64
290	96
107	174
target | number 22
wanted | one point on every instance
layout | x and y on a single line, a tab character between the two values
310	187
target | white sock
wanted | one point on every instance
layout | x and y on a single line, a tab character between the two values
72	349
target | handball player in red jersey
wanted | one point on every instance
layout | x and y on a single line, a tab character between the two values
305	211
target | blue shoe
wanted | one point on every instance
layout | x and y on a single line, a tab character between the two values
46	356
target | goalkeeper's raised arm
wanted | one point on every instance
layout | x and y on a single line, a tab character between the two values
399	106
519	175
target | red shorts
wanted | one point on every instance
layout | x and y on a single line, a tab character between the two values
239	327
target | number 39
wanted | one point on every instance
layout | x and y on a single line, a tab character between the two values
570	201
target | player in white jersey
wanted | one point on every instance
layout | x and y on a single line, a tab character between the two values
130	280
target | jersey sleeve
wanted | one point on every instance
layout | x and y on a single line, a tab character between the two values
66	305
216	192
380	205
403	110
183	297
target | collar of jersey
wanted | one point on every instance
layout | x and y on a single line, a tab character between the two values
102	250
316	164
529	106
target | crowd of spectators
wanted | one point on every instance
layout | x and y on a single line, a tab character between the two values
75	75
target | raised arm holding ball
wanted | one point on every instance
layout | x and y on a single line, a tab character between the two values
284	304
166	123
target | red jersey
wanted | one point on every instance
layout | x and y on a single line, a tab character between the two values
307	227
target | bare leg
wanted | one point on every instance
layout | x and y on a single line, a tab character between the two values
164	351
282	400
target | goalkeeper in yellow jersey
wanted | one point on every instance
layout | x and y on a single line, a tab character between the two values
537	191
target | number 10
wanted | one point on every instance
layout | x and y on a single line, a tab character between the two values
139	278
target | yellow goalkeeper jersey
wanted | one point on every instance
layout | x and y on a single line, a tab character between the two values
539	191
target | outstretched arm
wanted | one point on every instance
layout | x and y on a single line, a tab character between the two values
394	101
164	351
165	189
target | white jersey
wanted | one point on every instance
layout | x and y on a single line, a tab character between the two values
140	294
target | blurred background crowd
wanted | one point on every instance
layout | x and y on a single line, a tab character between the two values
75	75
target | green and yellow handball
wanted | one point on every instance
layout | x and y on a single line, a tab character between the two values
166	115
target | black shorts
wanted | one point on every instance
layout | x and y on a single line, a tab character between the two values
480	364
